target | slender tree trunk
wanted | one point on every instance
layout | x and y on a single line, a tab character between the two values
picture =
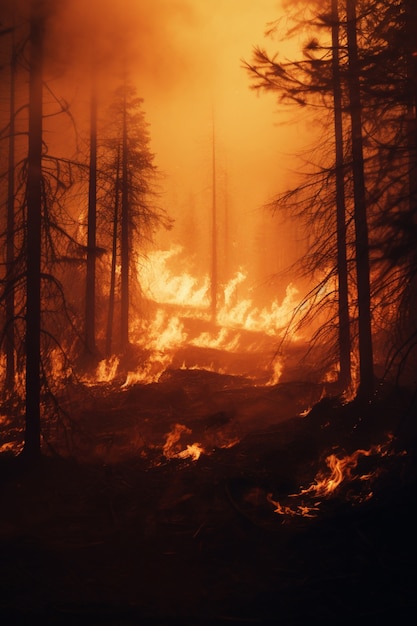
342	271
214	286
366	375
125	252
33	244
90	300
411	26
10	290
110	316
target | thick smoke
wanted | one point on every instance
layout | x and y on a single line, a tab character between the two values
185	58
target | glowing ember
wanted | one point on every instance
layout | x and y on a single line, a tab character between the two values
192	451
302	510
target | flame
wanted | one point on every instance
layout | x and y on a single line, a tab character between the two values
302	510
224	340
172	448
192	451
164	333
160	285
106	370
327	483
277	372
341	469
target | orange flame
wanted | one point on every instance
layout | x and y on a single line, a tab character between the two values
172	448
160	285
341	470
163	335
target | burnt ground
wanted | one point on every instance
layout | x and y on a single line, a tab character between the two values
107	530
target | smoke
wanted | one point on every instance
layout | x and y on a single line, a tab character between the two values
185	58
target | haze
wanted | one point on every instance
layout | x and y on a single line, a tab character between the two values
185	58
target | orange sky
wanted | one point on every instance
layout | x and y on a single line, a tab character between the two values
193	75
185	57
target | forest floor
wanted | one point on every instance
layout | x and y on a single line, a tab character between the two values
116	525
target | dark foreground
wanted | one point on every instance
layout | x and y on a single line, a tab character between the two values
130	537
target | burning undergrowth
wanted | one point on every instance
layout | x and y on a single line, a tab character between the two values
155	511
349	478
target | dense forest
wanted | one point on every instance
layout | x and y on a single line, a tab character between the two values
148	478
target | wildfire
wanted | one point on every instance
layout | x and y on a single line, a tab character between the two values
277	371
340	471
172	448
177	296
107	369
160	285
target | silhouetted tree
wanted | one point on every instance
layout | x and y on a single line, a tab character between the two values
377	79
317	80
90	298
342	268
33	242
10	230
129	204
37	227
366	375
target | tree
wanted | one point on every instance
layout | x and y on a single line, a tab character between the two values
317	81
342	269
10	239
128	205
378	87
90	298
36	236
366	376
33	242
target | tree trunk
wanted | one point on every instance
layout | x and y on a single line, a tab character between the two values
33	244
366	375
110	315
10	289
342	272
90	300
125	253
411	25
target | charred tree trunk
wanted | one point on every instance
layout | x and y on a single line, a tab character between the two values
90	299
125	253
411	25
33	243
10	243
342	271
110	316
366	374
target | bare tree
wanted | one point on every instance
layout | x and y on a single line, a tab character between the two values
366	374
128	205
90	298
33	243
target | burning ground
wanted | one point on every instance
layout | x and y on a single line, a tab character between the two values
205	478
205	498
